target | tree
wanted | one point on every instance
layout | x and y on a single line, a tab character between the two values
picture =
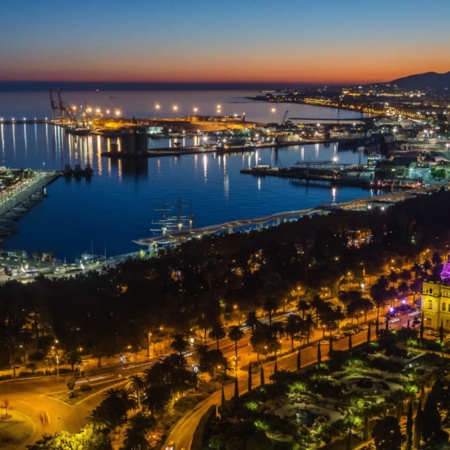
136	433
409	427
431	422
217	332
261	373
292	327
87	438
179	344
249	376
211	360
236	334
350	422
112	411
387	434
135	385
319	354
299	360
303	307
308	326
418	427
156	398
252	320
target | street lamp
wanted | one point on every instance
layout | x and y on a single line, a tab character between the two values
55	347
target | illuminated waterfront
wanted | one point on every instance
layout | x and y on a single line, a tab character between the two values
124	197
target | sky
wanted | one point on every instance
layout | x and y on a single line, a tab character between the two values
230	41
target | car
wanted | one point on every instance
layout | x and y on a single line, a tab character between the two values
394	320
414	313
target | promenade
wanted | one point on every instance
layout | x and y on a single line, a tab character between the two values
21	194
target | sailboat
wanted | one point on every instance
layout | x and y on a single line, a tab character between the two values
173	223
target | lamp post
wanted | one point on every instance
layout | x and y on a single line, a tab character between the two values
55	347
149	339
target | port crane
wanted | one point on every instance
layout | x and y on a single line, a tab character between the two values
284	117
58	108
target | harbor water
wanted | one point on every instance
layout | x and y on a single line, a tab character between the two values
123	199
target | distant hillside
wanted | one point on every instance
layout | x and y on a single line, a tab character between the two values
439	82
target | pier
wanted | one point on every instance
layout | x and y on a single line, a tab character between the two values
319	173
18	198
259	223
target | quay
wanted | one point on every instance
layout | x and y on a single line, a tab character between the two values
24	192
320	173
201	149
23	121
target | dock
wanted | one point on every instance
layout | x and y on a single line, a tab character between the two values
308	174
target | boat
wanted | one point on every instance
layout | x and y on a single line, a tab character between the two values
173	223
78	131
78	172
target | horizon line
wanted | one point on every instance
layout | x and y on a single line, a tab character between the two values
150	85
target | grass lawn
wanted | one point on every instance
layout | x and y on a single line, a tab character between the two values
15	430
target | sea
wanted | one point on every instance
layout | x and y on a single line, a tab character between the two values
125	200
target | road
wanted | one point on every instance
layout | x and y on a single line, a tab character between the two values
183	431
32	397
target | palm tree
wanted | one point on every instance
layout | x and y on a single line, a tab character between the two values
236	334
112	411
136	433
217	332
136	385
270	305
179	344
292	327
380	299
308	326
303	307
252	320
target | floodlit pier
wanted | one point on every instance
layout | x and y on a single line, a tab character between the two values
21	194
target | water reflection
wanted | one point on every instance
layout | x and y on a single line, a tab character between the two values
25	140
13	128
205	167
2	135
218	190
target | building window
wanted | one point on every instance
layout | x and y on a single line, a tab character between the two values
428	320
430	304
443	306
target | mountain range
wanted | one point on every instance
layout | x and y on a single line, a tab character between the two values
438	82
